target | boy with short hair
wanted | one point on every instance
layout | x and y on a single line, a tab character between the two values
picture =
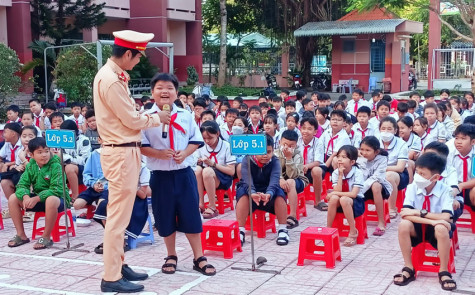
261	99
199	106
415	96
264	108
76	116
356	102
426	217
299	96
289	107
49	109
266	193
227	127
40	189
208	115
375	98
429	97
284	94
382	111
255	116
237	102
277	104
362	128
56	119
411	109
13	112
10	150
91	131
308	105
402	110
35	108
292	178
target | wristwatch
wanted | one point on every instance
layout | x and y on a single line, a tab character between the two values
424	213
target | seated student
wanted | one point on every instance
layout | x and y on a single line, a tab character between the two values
56	119
436	130
227	127
45	120
11	148
356	102
237	101
343	98
333	139
139	211
239	127
420	129
456	104
216	167
362	128
428	98
207	115
308	105
348	127
375	186
183	97
261	99
255	116
322	114
299	96
315	98
94	180
264	108
292	121
243	110
36	110
462	158
39	190
289	107
444	94
27	120
465	112
179	104
223	107
312	159
453	114
402	110
426	216
75	159
411	109
443	117
470	97
149	105
266	193
448	177
190	99
413	141
284	94
324	101
199	106
270	128
375	98
292	178
76	116
91	131
13	112
398	152
382	111
347	195
277	104
20	156
415	96
280	122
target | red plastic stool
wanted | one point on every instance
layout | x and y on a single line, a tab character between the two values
221	204
309	193
467	222
401	195
301	207
58	230
455	241
233	187
227	242
1	221
261	223
331	245
429	263
91	209
372	215
82	188
344	230
326	185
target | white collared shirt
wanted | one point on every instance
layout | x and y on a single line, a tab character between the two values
37	117
225	131
325	126
358	135
440	198
6	151
350	108
340	139
375	171
223	153
414	143
437	132
449	127
79	121
152	137
455	161
313	154
355	178
397	150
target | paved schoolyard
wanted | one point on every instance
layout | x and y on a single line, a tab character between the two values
365	269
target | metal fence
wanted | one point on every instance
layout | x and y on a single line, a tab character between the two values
453	63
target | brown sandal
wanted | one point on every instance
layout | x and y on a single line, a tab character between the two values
208	215
351	240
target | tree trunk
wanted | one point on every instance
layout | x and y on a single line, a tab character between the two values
223	41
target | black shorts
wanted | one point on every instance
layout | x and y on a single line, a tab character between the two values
299	185
91	196
458	212
80	172
243	192
358	207
429	235
13	175
384	192
403	180
225	180
466	198
41	206
309	173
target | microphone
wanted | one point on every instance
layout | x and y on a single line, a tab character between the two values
165	127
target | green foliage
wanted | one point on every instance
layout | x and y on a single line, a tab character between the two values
144	69
229	90
75	71
10	81
192	76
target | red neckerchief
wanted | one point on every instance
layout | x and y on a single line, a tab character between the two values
331	143
175	125
212	155
426	204
356	107
345	187
352	132
12	156
259	164
37	121
363	132
255	131
305	153
465	167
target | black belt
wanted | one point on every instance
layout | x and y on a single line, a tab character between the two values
129	144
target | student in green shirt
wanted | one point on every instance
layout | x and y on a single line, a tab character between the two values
39	190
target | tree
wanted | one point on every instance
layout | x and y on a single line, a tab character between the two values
223	43
10	81
465	7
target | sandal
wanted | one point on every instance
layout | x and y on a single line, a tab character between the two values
322	206
5	213
166	265
202	270
99	249
28	217
405	280
379	232
351	240
42	244
283	237
444	283
208	215
292	222
17	241
242	236
392	213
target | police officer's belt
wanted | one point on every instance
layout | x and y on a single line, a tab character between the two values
129	144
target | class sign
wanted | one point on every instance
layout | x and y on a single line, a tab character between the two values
64	139
248	144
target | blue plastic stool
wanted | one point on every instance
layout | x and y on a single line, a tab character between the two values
143	236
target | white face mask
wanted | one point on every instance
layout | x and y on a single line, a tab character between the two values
421	182
282	148
237	130
387	136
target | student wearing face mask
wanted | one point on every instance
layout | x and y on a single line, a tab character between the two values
239	127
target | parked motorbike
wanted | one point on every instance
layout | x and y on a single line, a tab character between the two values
271	81
412	81
297	82
320	82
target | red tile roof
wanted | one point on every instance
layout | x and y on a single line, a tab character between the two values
377	13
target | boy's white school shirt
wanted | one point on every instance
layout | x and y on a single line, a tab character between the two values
221	154
8	148
456	160
440	198
37	118
449	127
414	143
450	178
220	120
436	132
81	153
313	154
358	133
339	140
325	126
152	137
397	150
355	178
79	121
350	108
225	131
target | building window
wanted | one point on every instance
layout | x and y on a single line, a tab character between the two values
348	45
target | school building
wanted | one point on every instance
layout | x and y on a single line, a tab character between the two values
174	21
